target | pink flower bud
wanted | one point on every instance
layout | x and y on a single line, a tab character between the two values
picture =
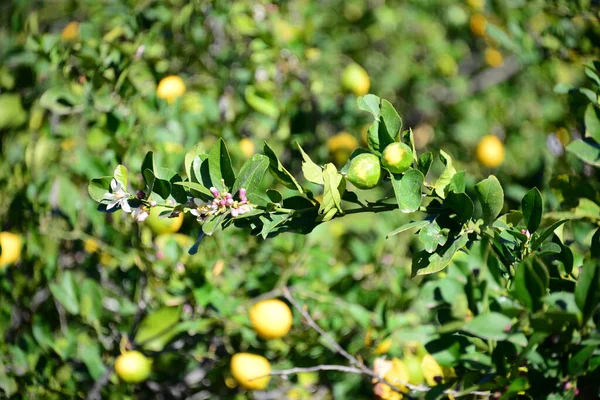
228	195
234	212
214	191
242	192
229	201
222	202
152	203
160	255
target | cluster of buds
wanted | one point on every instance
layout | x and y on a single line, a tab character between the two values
221	204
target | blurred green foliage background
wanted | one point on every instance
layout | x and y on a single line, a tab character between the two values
78	84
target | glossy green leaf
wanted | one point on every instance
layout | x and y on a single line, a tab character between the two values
491	326
490	194
407	188
405	227
64	291
157	328
251	174
592	122
279	171
312	172
587	291
532	207
587	150
446	175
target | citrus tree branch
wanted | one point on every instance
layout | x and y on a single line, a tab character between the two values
358	367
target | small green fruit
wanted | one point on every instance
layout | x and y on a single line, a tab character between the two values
133	367
397	158
364	171
356	79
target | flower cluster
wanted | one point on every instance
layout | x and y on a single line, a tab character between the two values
221	204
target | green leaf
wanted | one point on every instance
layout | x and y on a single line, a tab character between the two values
334	186
120	175
491	196
425	263
424	162
587	150
587	291
201	191
157	329
578	362
194	152
271	221
595	245
405	227
161	187
219	166
531	283
407	188
391	121
209	227
457	184
89	352
370	103
492	326
65	292
461	204
263	105
312	172
98	187
446	175
592	122
251	174
433	236
90	302
280	172
537	241
533	207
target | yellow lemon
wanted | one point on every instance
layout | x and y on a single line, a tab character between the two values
490	151
493	57
478	24
247	147
163	225
476	4
170	88
271	319
356	79
70	32
341	146
133	367
251	371
384	346
397	376
91	245
10	248
432	371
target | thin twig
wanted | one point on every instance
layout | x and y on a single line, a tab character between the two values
338	349
359	367
94	393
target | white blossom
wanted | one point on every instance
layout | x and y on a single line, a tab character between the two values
118	197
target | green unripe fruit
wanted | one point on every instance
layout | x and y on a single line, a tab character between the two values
397	158
356	79
415	373
133	367
364	171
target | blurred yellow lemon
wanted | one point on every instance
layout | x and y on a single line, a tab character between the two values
170	88
356	79
247	147
271	319
384	346
163	225
341	146
91	245
396	373
10	250
490	151
478	24
133	367
493	57
476	4
251	371
70	32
